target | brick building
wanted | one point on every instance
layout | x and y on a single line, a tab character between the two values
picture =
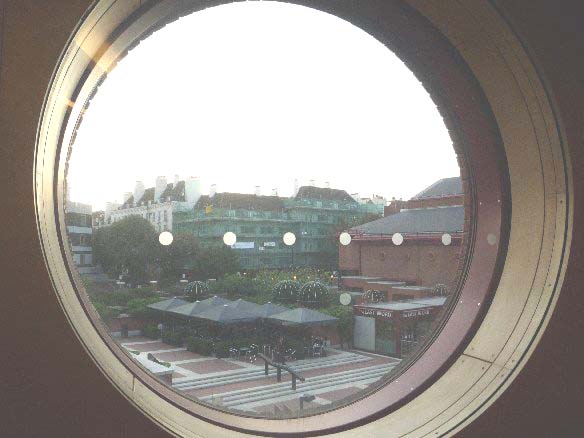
416	246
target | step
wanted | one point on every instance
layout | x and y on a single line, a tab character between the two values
252	374
286	385
328	385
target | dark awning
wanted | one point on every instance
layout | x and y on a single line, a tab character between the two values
167	304
193	309
270	309
235	311
303	316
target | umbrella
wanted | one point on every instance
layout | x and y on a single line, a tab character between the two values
167	304
270	309
302	316
193	309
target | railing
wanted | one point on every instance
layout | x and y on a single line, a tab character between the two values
279	367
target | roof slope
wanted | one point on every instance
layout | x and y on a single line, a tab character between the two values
311	192
443	187
241	201
421	220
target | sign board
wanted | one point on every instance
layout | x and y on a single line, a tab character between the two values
375	313
243	245
270	244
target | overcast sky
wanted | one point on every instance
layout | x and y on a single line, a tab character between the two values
261	93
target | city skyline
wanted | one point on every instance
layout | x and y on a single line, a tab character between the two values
330	103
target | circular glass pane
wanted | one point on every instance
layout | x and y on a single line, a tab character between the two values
252	216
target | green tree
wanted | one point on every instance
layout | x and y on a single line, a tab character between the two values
129	245
179	255
345	323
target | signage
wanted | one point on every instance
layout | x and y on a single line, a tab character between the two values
243	245
375	313
414	313
271	244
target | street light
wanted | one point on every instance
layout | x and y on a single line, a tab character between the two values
289	240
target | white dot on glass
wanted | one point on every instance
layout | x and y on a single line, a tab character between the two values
289	238
397	239
345	238
229	238
165	238
446	239
491	239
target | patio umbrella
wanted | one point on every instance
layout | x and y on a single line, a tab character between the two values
167	304
193	309
270	309
303	316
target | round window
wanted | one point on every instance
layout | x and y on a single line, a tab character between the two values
278	231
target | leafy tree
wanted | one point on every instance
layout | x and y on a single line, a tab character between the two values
345	323
138	306
179	255
129	245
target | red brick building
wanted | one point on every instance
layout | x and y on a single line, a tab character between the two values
432	227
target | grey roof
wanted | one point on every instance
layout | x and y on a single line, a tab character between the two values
168	304
312	192
420	220
270	309
193	309
235	311
303	316
172	192
241	201
443	187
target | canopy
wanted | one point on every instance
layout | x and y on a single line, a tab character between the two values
193	309
270	309
167	304
235	311
303	316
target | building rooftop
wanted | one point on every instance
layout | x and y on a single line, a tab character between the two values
312	192
172	192
417	221
241	201
409	304
441	188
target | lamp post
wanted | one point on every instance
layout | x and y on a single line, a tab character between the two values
289	240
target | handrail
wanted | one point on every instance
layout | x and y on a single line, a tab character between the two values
279	367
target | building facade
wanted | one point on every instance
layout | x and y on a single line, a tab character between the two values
78	218
411	257
315	215
156	204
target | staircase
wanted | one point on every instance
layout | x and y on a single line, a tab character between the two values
247	374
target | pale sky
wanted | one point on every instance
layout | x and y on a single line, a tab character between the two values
261	93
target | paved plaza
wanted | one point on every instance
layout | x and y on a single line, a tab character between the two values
242	385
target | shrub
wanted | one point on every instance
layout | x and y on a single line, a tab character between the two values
173	338
197	290
222	349
151	331
200	346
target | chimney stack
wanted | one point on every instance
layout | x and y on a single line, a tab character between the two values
258	191
295	186
275	192
327	185
212	190
138	192
192	190
312	182
159	188
127	195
